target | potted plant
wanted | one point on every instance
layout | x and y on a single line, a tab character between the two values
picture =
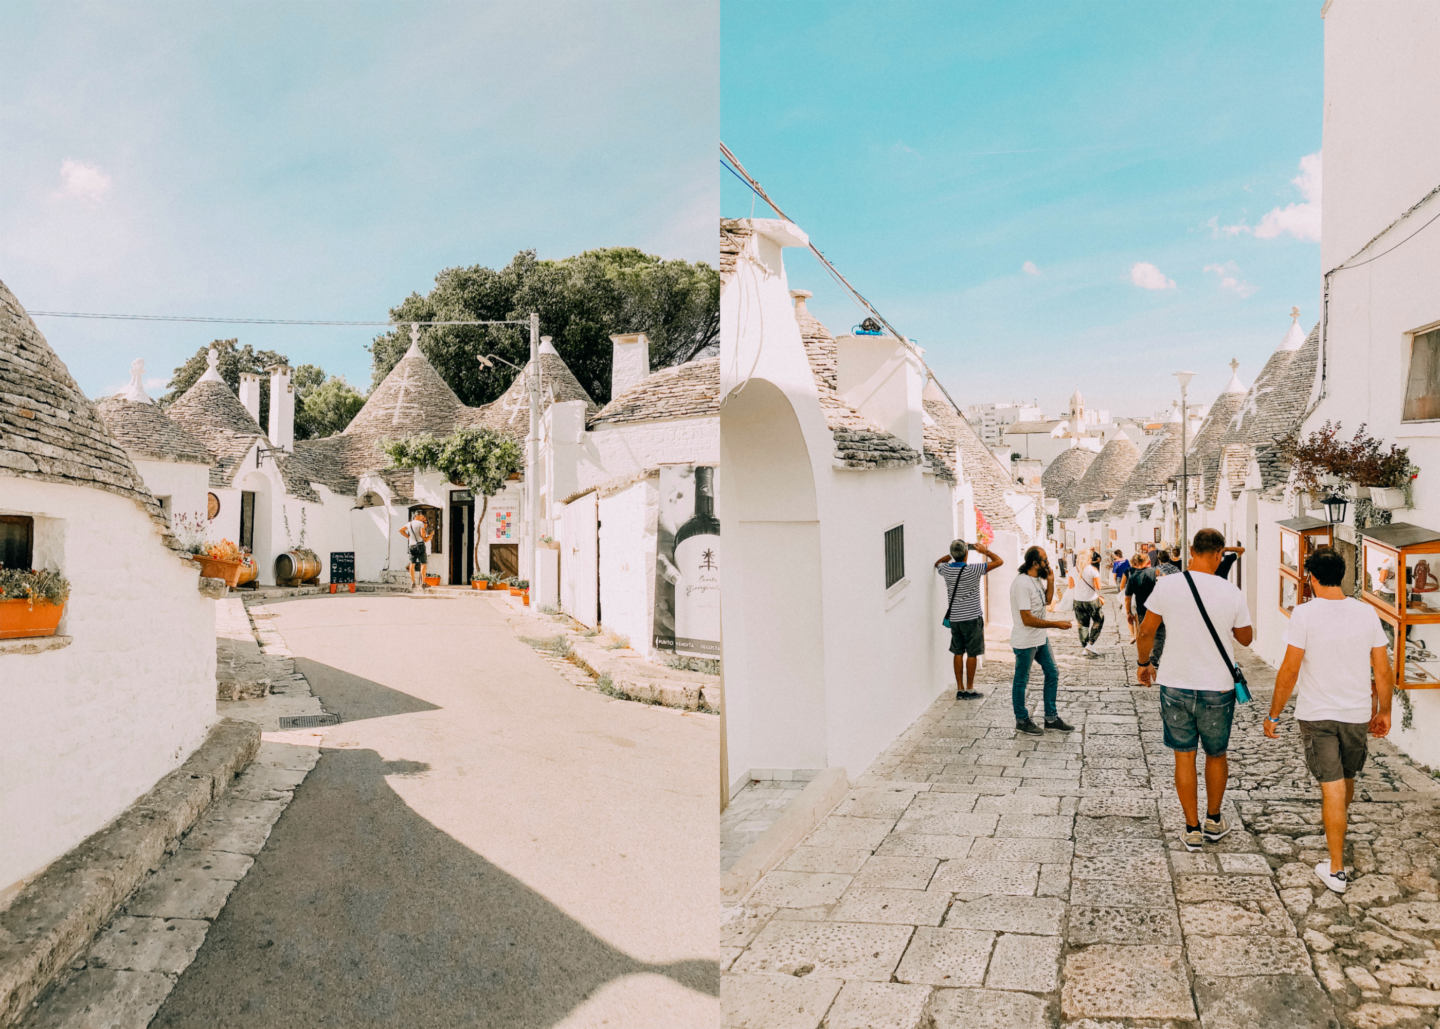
432	580
522	589
1385	476
479	581
220	561
31	603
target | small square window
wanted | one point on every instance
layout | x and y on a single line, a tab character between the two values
894	555
17	541
1422	388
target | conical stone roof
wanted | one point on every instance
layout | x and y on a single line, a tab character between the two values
209	411
1206	448
143	429
1274	406
1158	464
1105	477
1066	469
510	412
989	480
49	429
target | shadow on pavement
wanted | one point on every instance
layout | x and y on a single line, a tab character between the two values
355	699
359	912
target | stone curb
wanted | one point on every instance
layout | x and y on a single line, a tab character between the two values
55	917
819	797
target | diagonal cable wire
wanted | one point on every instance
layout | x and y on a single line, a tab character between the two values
250	321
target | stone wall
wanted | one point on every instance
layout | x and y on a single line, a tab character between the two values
627	563
611	451
89	727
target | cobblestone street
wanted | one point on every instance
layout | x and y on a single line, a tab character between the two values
972	879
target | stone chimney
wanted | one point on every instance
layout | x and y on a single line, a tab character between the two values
282	407
250	394
631	362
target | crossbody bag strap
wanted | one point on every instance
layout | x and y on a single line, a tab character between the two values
950	606
1224	654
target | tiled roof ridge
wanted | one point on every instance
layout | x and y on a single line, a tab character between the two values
144	428
987	479
49	429
1206	447
689	390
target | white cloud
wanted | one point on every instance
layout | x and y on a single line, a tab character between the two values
82	180
1300	220
1147	276
1229	273
1217	230
1029	268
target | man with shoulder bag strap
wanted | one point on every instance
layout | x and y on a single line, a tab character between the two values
1201	614
963	616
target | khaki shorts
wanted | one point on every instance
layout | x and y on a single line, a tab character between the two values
1335	750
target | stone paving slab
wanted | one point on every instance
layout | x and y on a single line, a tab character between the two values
1067	898
148	944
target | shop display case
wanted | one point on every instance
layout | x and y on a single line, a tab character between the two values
1398	576
1299	538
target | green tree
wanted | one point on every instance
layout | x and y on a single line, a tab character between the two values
482	458
234	359
582	301
326	408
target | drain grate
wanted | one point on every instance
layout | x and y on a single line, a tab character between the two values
308	721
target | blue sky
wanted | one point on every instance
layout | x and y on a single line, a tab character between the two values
1045	195
324	160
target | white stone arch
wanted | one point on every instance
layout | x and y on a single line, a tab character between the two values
773	590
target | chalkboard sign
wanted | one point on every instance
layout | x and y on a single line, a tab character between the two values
342	566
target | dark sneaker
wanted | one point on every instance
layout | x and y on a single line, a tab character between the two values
1059	725
969	695
1216	829
1335	881
1029	726
1192	839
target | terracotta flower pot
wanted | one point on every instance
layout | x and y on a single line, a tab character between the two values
479	584
525	594
432	580
213	569
20	619
513	591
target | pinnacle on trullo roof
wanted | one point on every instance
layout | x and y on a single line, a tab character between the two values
1234	385
1294	336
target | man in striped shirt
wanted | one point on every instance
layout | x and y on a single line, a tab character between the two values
967	622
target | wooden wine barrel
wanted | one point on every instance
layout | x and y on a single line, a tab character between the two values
293	566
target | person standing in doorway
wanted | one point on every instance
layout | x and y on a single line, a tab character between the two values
967	622
1089	605
1031	642
417	531
1197	699
1333	645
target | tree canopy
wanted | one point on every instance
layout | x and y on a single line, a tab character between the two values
582	301
482	458
324	404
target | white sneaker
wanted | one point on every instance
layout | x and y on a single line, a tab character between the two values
1334	880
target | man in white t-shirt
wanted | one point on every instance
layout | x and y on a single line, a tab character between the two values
1197	699
1333	645
417	531
1030	593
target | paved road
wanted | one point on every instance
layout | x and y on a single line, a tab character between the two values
482	844
975	877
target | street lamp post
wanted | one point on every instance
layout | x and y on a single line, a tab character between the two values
1184	379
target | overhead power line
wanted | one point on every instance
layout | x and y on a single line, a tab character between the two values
738	170
250	321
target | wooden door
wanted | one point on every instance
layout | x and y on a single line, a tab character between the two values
580	560
505	560
462	537
247	520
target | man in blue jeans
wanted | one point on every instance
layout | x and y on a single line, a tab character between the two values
1031	642
1197	699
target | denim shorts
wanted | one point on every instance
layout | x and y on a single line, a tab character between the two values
1202	716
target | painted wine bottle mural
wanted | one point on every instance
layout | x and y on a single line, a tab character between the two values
687	580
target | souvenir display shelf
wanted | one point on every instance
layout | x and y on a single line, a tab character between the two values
1398	575
1299	538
